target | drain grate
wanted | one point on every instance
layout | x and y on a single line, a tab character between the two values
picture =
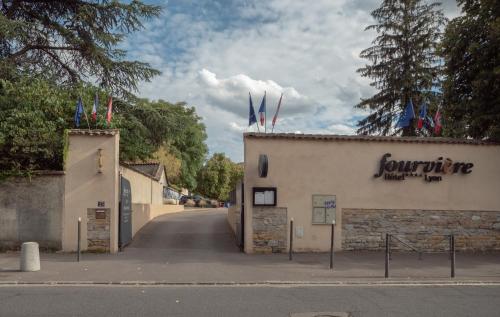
321	314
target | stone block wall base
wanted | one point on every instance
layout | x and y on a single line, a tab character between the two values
98	230
365	229
269	230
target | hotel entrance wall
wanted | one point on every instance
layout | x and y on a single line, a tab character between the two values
301	167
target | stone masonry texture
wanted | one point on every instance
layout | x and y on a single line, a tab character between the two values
98	231
31	211
427	230
269	229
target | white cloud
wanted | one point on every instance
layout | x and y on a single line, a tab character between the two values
229	94
212	53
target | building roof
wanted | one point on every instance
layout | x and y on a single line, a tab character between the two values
366	138
150	169
107	132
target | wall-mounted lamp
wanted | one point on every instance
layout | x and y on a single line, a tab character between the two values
99	160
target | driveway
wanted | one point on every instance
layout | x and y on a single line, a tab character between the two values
194	231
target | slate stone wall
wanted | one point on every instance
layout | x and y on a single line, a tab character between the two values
98	231
364	229
269	229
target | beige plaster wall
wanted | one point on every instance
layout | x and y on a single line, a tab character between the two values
143	213
85	186
145	190
301	168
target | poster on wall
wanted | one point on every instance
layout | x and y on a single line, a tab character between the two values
264	196
324	207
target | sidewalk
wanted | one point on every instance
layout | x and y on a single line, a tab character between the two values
201	266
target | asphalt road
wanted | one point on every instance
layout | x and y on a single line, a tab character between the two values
265	301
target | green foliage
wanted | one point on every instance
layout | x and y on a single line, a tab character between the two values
471	50
403	63
73	40
218	177
35	113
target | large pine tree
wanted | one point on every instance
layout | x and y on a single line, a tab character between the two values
471	49
73	40
403	65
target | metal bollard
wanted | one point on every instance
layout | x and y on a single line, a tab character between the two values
30	257
291	240
79	239
452	255
387	255
331	245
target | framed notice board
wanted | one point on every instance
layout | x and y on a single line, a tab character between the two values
264	196
323	209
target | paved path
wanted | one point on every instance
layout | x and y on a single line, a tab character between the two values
412	301
197	247
192	231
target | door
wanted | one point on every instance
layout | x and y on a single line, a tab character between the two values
125	213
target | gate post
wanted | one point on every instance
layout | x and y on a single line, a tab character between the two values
387	255
291	240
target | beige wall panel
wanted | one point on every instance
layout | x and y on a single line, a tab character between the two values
301	168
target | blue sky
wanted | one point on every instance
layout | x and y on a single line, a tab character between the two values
213	52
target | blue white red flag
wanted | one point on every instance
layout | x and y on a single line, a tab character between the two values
262	110
421	116
437	122
277	110
94	107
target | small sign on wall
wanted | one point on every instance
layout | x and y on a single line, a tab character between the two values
324	207
264	196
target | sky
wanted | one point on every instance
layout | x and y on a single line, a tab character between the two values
212	53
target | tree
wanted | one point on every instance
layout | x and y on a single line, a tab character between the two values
471	50
403	66
67	41
218	177
35	112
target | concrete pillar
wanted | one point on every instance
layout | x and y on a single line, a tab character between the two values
30	257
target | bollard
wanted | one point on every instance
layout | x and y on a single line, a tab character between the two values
452	255
79	249
30	257
386	255
331	245
291	240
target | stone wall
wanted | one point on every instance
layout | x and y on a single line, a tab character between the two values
98	233
269	229
365	229
31	210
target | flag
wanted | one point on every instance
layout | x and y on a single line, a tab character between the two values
429	123
277	110
422	115
262	110
78	112
251	115
110	110
437	122
94	108
407	115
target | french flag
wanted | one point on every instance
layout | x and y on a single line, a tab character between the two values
94	108
421	116
262	110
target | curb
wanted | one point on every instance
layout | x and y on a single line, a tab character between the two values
257	283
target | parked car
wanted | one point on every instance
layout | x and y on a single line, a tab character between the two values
184	199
